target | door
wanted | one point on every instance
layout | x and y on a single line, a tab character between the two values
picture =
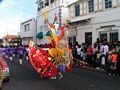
88	38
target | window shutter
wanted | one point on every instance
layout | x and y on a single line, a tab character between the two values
114	3
81	9
118	2
72	11
85	7
100	5
96	5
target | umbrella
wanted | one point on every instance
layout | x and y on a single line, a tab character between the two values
39	35
48	33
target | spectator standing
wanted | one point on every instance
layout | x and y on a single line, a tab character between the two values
97	61
78	51
95	50
89	54
104	54
114	57
74	52
81	54
118	63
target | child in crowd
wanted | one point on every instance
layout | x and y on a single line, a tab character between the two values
114	57
81	55
103	61
97	61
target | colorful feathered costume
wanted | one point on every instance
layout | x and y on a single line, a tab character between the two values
49	63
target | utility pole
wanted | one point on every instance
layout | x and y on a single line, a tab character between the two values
7	38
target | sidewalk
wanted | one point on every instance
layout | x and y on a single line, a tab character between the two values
86	66
93	69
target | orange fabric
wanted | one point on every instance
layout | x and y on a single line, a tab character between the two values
114	58
89	50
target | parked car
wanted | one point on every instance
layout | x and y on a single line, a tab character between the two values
5	72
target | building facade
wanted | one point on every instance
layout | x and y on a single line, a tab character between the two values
11	40
46	12
28	31
92	19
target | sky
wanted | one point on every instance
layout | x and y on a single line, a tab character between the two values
13	12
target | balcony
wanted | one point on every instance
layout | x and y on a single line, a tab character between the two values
81	18
43	10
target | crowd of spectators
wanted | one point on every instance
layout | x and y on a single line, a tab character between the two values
102	55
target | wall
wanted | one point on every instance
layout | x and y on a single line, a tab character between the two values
51	10
28	34
101	17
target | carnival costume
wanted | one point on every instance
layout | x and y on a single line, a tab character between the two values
57	58
4	53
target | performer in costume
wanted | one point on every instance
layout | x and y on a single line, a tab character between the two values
20	54
11	53
3	52
52	63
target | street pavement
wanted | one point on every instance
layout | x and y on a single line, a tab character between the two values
24	77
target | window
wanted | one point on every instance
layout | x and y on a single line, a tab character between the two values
103	36
91	6
41	28
113	37
46	28
40	6
27	27
46	2
108	4
77	10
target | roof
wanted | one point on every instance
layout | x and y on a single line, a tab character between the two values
10	36
29	20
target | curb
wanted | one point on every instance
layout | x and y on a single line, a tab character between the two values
93	69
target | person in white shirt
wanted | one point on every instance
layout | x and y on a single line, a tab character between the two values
104	52
81	54
106	49
78	51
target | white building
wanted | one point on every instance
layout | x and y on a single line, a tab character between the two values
92	19
47	9
28	31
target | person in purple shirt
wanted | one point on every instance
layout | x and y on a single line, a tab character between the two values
14	51
11	53
20	52
4	52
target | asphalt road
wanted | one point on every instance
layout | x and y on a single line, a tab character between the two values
24	77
